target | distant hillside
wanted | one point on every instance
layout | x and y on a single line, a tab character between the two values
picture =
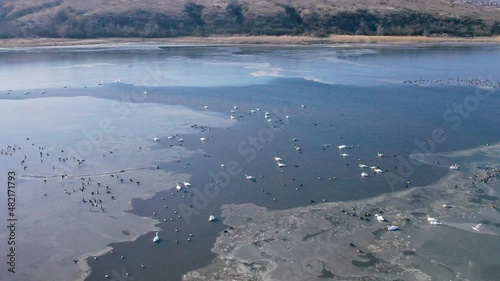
174	18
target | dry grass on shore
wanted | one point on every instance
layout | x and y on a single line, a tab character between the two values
278	40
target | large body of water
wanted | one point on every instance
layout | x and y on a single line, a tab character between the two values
352	95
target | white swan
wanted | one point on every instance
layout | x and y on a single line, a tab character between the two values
156	238
392	227
222	165
206	107
436	222
281	165
232	117
180	140
203	139
363	166
303	105
380	154
178	187
345	155
342	146
454	167
170	137
378	171
431	219
364	174
379	217
156	139
298	148
278	158
476	228
186	184
249	178
211	218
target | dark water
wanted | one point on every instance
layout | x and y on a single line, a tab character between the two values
358	99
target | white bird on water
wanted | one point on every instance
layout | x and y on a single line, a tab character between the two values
363	166
392	227
186	183
280	164
342	146
203	139
364	174
380	154
211	218
345	155
431	219
156	139
249	178
156	238
379	217
476	228
278	158
454	167
378	171
178	187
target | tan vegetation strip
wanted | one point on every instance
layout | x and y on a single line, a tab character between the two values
302	40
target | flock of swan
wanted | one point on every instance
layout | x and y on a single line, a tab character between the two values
375	169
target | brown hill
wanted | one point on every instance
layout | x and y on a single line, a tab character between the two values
155	18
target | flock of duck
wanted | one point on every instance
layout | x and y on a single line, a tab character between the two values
95	193
456	81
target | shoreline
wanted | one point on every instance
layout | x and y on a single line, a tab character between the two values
257	40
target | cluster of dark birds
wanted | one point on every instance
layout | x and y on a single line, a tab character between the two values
96	192
456	81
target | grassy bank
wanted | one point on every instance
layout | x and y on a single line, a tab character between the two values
283	40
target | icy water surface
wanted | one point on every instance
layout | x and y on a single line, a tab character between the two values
108	104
